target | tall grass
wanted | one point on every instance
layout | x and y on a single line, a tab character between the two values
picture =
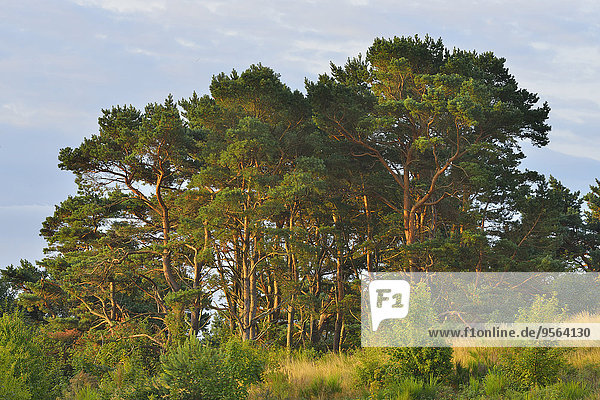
362	375
303	376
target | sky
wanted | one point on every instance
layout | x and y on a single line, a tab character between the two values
63	61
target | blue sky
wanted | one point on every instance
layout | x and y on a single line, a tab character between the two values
61	62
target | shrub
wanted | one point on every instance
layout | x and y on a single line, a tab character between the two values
472	389
408	388
99	352
128	381
371	366
560	391
421	362
82	386
12	386
194	371
527	367
27	366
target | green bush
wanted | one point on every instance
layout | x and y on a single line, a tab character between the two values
528	367
472	389
194	371
99	352
128	381
421	362
372	365
408	388
12	385
28	367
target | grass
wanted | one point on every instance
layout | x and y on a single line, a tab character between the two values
298	376
477	375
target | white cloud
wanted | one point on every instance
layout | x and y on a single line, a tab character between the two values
144	52
43	116
126	6
567	142
187	43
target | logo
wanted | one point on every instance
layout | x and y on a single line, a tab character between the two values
389	300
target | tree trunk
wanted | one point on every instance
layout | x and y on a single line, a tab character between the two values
294	277
113	303
290	326
339	317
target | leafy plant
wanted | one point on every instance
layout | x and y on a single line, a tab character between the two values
528	367
494	384
194	371
421	362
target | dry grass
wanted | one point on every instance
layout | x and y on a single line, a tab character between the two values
465	356
334	376
333	366
300	377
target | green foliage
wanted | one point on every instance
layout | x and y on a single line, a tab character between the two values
371	366
494	384
83	386
542	310
527	367
574	390
421	362
321	388
28	363
97	353
130	380
408	388
13	384
193	371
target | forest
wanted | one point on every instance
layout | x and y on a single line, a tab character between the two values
215	244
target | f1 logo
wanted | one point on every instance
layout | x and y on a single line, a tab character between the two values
389	300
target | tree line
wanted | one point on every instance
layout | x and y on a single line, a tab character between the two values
253	210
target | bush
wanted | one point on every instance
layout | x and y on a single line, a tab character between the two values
99	352
83	386
194	371
12	386
128	381
28	369
372	365
560	391
530	367
421	362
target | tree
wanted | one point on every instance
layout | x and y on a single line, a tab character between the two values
591	257
130	175
254	127
420	110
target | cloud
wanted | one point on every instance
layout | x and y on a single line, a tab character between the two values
569	143
144	52
25	115
187	43
126	6
67	60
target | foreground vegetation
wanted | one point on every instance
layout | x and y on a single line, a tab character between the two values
246	217
38	365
